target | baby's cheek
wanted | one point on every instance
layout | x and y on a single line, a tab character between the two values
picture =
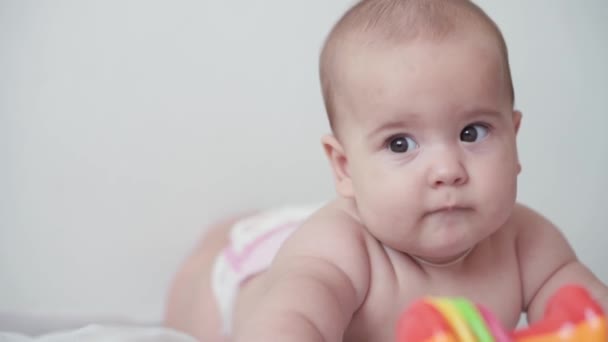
496	196
498	176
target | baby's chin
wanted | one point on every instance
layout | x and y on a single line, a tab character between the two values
436	251
442	258
446	241
444	250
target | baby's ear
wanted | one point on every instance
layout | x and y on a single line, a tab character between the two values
339	165
517	120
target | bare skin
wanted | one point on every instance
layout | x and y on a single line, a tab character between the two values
425	166
191	307
395	279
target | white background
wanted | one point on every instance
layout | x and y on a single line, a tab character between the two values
127	126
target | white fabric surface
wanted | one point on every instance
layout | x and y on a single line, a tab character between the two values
101	333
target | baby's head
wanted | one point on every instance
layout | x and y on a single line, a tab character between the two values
420	101
389	24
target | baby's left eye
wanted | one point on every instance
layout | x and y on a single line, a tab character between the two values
473	133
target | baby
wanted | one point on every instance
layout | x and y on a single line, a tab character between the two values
423	152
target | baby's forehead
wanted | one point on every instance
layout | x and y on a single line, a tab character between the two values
354	49
378	67
372	27
355	43
365	62
389	83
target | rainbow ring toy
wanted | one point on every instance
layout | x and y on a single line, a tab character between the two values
571	315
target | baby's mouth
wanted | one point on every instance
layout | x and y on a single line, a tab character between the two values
447	209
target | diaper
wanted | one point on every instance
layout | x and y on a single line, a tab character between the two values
253	244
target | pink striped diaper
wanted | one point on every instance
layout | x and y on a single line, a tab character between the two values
253	244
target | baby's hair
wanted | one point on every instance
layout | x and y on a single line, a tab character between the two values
399	22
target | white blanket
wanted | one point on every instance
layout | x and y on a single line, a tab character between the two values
104	333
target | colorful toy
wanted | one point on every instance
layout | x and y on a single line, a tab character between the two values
571	315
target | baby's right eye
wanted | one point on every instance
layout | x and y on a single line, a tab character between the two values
401	144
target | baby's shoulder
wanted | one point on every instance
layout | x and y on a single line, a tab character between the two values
534	234
526	222
522	226
330	242
335	223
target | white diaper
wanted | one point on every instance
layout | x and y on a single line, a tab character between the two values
253	244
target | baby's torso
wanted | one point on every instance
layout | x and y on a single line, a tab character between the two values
488	276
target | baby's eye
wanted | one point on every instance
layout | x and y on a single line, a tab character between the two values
401	144
473	133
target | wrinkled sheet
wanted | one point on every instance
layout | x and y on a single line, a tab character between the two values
103	333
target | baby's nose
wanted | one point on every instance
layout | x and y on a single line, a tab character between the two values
447	171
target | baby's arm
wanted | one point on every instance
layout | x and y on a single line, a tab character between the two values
547	262
317	282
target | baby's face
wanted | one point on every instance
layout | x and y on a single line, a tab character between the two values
430	143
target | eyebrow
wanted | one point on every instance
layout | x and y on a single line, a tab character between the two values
397	123
481	111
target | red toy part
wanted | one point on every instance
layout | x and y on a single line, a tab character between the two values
571	316
422	322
